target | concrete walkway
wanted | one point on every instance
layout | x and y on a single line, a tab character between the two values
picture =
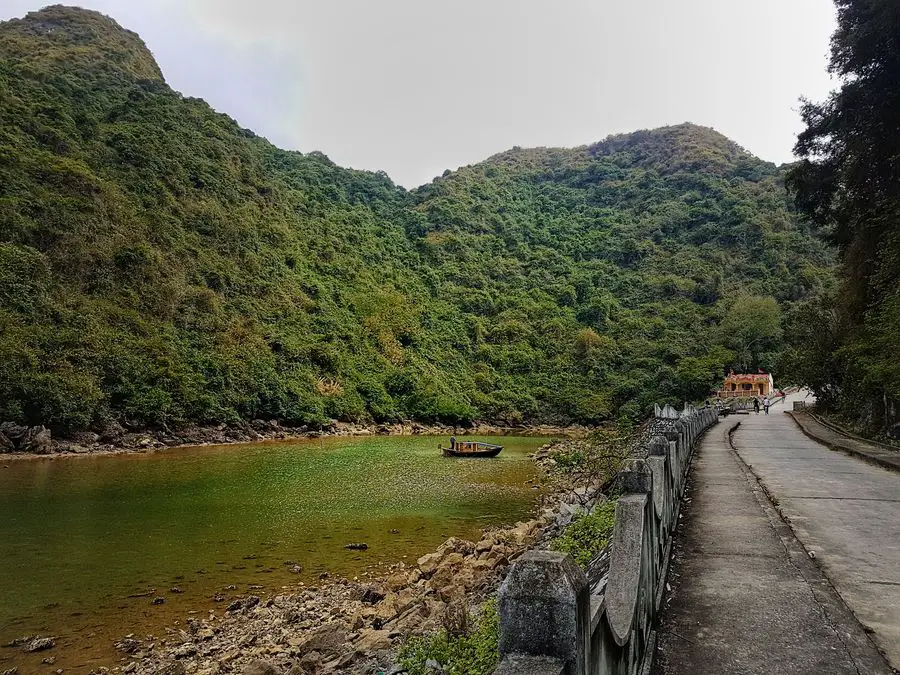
746	598
843	509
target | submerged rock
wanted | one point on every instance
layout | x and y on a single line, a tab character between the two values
357	547
40	644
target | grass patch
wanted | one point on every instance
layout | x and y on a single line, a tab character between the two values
587	534
472	650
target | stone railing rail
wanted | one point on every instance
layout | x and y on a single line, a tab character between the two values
553	621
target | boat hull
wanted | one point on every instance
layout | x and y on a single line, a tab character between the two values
486	452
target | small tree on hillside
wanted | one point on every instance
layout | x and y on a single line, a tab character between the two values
751	326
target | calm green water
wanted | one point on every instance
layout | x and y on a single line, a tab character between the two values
79	536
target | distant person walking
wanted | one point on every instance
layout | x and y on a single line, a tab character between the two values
766	404
756	405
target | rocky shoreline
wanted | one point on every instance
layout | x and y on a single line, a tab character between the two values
22	442
356	627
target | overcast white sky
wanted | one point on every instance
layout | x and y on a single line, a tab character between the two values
417	86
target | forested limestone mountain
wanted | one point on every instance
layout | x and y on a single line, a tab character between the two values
161	265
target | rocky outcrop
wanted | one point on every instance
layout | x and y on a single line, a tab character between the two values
345	626
33	643
111	437
17	438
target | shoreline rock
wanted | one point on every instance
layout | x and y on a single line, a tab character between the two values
20	442
341	627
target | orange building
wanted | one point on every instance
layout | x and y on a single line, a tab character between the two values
747	384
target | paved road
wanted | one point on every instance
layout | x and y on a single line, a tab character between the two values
844	510
746	598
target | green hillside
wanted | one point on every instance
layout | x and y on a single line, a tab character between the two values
161	265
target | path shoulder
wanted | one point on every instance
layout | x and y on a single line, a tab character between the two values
835	440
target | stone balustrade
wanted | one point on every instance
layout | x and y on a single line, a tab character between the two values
553	622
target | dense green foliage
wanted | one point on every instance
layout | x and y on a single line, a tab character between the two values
849	184
160	265
588	534
475	651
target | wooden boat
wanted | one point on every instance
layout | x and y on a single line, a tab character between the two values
471	449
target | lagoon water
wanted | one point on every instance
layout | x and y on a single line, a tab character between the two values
87	543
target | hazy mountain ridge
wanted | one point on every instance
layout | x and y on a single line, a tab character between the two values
159	264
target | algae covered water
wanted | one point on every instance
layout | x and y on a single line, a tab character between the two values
88	543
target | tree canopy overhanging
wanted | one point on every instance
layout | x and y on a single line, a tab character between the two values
848	184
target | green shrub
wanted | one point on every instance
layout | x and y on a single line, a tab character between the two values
476	652
587	534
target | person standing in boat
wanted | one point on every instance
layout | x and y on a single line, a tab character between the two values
453	442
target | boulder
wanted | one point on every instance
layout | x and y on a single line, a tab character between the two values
497	560
260	668
373	640
36	440
206	634
109	431
244	603
454	548
371	595
6	445
39	644
453	594
481	566
84	437
128	645
522	533
406	598
311	662
397	581
429	563
453	560
484	545
184	651
465	577
457	545
388	608
442	577
14	432
327	639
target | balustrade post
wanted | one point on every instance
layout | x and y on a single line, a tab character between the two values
545	611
